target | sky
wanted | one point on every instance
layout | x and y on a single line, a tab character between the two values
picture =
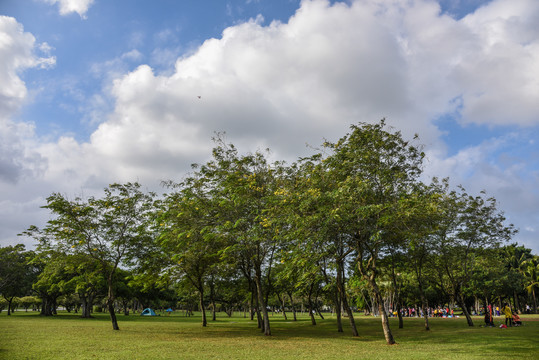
96	92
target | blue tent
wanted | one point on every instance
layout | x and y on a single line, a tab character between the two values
148	312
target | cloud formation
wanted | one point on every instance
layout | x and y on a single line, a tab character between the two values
282	85
69	6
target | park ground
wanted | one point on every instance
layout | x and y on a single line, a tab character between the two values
26	335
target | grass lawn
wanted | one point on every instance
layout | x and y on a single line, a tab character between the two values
66	336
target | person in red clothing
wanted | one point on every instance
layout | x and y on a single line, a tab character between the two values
516	319
488	319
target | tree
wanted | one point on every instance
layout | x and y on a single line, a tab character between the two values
188	235
374	171
469	226
16	274
113	230
245	189
313	229
531	271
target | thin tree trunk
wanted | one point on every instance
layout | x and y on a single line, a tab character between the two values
424	307
534	302
344	299
281	300
110	305
319	313
266	324
202	309
399	315
310	305
9	301
292	305
462	304
338	310
517	306
251	306
212	296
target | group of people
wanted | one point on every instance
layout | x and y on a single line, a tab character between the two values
511	317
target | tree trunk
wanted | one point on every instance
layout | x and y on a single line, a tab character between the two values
85	308
462	303
424	306
9	301
202	309
534	302
281	300
212	298
292	305
350	315
110	304
341	288
517	306
319	313
385	322
311	311
266	324
399	314
338	310
251	306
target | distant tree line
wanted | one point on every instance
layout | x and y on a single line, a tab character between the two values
352	227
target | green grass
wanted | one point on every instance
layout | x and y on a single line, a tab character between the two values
66	336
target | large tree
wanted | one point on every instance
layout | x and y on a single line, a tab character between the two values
374	171
113	230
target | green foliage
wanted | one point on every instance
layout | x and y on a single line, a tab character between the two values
352	223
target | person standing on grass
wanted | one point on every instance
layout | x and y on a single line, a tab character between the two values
508	314
488	319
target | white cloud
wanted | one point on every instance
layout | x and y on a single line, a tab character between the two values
69	6
17	158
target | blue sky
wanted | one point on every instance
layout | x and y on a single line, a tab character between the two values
97	91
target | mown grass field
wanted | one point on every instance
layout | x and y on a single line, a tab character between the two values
66	336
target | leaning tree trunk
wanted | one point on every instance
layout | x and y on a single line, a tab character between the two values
383	314
266	324
350	315
292	305
310	305
462	304
110	303
344	300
